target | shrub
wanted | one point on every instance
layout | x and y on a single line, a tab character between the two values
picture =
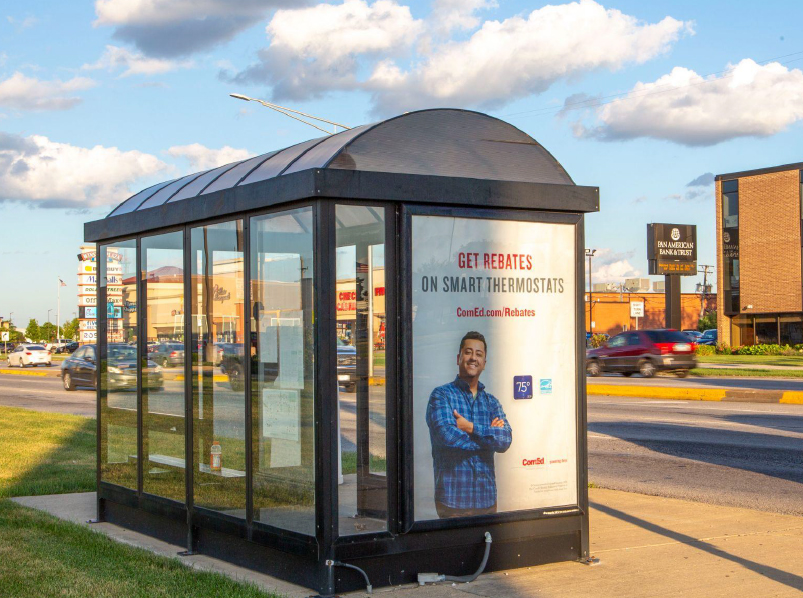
598	340
765	350
724	349
705	350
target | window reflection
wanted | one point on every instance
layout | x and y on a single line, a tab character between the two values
163	388
217	345
282	350
360	293
118	382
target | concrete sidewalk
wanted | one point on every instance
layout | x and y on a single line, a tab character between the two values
648	546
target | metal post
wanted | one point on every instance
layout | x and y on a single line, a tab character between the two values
589	254
672	298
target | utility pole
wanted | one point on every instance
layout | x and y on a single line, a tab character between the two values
705	269
589	254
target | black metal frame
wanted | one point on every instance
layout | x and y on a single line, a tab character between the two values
521	538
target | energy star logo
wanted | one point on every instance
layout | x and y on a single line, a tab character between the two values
675	234
546	386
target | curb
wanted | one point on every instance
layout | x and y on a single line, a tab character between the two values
41	374
735	395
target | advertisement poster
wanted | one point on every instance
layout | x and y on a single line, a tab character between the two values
494	366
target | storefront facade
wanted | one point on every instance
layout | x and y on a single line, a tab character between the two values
759	282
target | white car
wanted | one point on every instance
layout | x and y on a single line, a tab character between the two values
25	355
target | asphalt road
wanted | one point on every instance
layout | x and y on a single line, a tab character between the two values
738	454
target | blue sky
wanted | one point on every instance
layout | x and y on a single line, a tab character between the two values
98	100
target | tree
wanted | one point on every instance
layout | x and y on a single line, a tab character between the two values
32	331
708	321
70	329
48	331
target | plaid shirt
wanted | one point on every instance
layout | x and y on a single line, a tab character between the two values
465	477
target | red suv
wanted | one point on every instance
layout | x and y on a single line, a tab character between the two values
645	352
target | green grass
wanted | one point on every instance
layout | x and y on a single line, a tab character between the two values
780	360
746	373
45	453
43	556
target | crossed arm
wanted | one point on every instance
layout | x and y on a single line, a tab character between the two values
451	429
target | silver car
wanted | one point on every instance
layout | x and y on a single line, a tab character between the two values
25	355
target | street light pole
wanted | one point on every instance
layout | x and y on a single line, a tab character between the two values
589	254
286	112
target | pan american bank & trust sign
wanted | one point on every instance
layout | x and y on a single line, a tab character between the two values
672	249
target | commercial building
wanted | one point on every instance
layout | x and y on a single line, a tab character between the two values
610	312
759	283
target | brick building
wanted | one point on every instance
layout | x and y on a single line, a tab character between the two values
759	279
610	311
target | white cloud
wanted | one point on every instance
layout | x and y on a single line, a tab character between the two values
134	63
51	174
21	24
610	266
331	46
520	56
20	92
204	158
448	15
317	49
179	27
750	100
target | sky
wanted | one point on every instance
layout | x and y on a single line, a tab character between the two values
647	101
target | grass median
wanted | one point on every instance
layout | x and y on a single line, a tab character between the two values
45	453
773	360
745	373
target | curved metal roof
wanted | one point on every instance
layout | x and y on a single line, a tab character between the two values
440	142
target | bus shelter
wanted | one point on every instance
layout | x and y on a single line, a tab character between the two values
357	358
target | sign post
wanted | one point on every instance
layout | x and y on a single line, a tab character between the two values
5	340
672	251
637	310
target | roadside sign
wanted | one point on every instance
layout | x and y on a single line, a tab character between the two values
4	337
636	309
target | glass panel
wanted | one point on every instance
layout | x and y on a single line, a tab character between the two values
363	485
195	187
163	195
275	165
766	330
133	202
730	210
233	176
218	336
791	330
318	156
163	392
731	186
282	351
118	383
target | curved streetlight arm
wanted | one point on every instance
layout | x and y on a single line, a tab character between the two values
286	112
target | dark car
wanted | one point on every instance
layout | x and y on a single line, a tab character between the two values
645	352
71	347
80	369
346	366
167	354
709	337
694	335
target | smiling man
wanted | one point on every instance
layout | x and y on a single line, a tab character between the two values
466	426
